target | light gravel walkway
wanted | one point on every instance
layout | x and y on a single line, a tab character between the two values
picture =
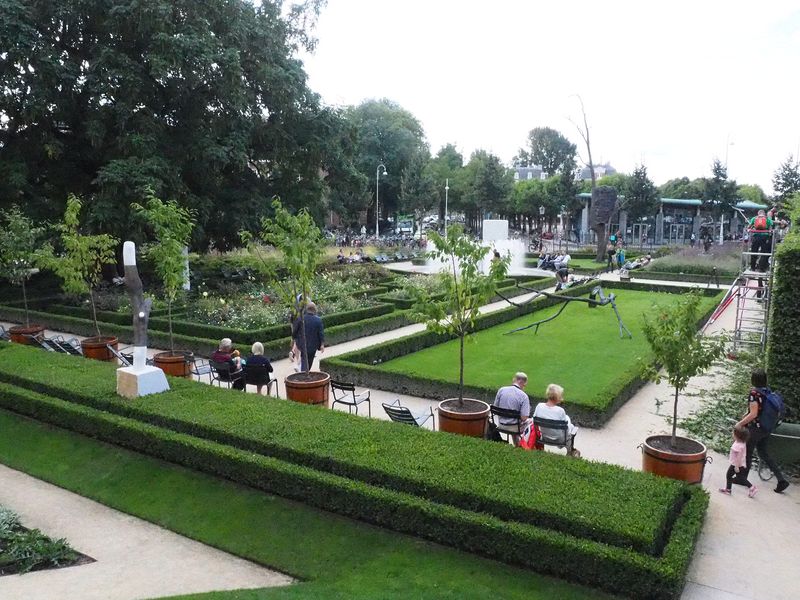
748	548
134	559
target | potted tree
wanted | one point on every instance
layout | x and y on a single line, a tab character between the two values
172	226
466	290
682	353
21	253
80	266
300	243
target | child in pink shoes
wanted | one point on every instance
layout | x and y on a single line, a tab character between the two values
738	459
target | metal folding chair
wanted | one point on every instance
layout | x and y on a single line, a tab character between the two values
345	393
402	414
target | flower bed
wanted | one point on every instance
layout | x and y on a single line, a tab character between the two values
23	550
580	349
624	531
724	260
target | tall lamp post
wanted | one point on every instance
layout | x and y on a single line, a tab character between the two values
446	189
541	228
377	189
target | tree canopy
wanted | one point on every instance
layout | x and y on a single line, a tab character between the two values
641	195
202	102
550	150
786	180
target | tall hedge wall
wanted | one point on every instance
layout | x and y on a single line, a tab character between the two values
783	341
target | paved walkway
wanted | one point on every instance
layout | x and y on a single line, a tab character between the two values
134	559
748	548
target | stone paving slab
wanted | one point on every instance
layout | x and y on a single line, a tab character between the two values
134	559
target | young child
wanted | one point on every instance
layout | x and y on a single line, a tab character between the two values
738	459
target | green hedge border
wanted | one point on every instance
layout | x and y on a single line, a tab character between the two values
340	444
783	341
616	570
359	367
276	349
508	287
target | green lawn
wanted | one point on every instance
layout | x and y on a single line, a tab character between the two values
335	557
580	350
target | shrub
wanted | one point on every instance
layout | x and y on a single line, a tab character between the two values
23	550
494	482
783	342
620	570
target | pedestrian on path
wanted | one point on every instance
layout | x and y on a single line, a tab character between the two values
759	436
738	461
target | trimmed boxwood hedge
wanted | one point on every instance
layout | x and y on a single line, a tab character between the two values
687	277
614	569
494	478
507	287
783	341
360	367
275	349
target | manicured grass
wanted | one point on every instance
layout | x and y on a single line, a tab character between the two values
580	350
336	557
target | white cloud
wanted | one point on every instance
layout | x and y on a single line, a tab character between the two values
666	83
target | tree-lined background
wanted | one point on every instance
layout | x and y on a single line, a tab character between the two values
206	102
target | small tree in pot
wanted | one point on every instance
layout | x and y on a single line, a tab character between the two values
682	353
300	243
80	266
172	225
467	288
21	253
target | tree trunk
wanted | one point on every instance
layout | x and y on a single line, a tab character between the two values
461	372
25	302
169	321
94	313
674	420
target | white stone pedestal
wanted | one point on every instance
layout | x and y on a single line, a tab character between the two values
133	382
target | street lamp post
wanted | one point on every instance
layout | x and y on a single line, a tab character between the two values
541	228
377	189
446	189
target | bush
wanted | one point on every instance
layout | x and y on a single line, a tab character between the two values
23	550
362	366
616	569
783	342
494	479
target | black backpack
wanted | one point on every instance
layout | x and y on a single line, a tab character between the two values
773	409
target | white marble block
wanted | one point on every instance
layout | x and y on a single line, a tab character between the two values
132	382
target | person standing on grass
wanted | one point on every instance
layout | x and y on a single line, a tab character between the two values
738	460
514	397
620	255
610	253
759	436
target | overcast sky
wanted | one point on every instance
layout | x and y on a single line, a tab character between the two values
670	84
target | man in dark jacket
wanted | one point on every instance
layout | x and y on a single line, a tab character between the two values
314	336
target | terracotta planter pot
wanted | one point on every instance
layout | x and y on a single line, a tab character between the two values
95	347
686	463
468	420
308	388
18	333
174	363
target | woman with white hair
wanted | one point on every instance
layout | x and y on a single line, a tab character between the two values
259	376
552	411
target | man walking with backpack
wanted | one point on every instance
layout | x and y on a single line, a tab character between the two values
766	410
760	229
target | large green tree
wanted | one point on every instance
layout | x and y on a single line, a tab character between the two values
684	188
487	186
446	169
720	192
385	133
786	180
641	195
204	102
417	188
550	150
751	192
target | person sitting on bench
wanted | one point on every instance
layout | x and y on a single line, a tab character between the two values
562	278
551	410
544	257
563	262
